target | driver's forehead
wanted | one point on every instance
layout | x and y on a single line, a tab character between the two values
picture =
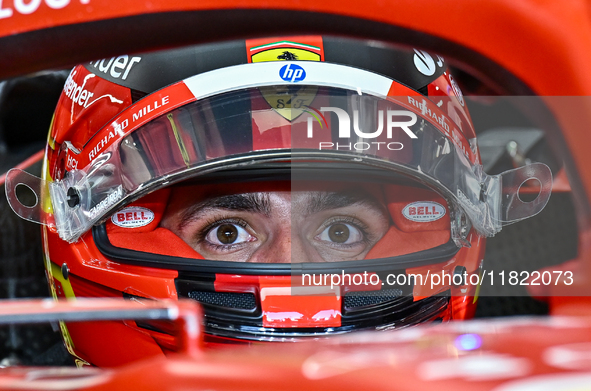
301	197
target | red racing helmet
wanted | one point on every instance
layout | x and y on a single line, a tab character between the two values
296	187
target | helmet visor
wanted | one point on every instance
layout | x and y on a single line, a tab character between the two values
308	122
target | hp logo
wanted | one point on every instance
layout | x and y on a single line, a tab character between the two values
292	73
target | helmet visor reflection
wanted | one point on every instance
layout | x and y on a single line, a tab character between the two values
295	123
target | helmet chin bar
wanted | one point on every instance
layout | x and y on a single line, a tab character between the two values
397	313
236	317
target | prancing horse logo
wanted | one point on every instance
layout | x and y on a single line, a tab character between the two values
288	56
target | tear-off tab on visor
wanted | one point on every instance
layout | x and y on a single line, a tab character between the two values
512	182
28	196
66	205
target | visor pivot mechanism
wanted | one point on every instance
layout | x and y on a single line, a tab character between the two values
73	197
460	229
482	196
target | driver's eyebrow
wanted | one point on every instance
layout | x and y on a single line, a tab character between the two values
248	202
321	201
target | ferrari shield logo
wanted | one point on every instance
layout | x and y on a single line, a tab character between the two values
288	101
289	54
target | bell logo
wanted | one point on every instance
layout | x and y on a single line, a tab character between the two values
423	211
292	73
402	119
133	217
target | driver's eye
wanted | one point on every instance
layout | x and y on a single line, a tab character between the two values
228	233
341	233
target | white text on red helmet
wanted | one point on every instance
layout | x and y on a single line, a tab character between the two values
427	112
133	217
149	108
107	138
77	93
117	67
72	163
118	128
